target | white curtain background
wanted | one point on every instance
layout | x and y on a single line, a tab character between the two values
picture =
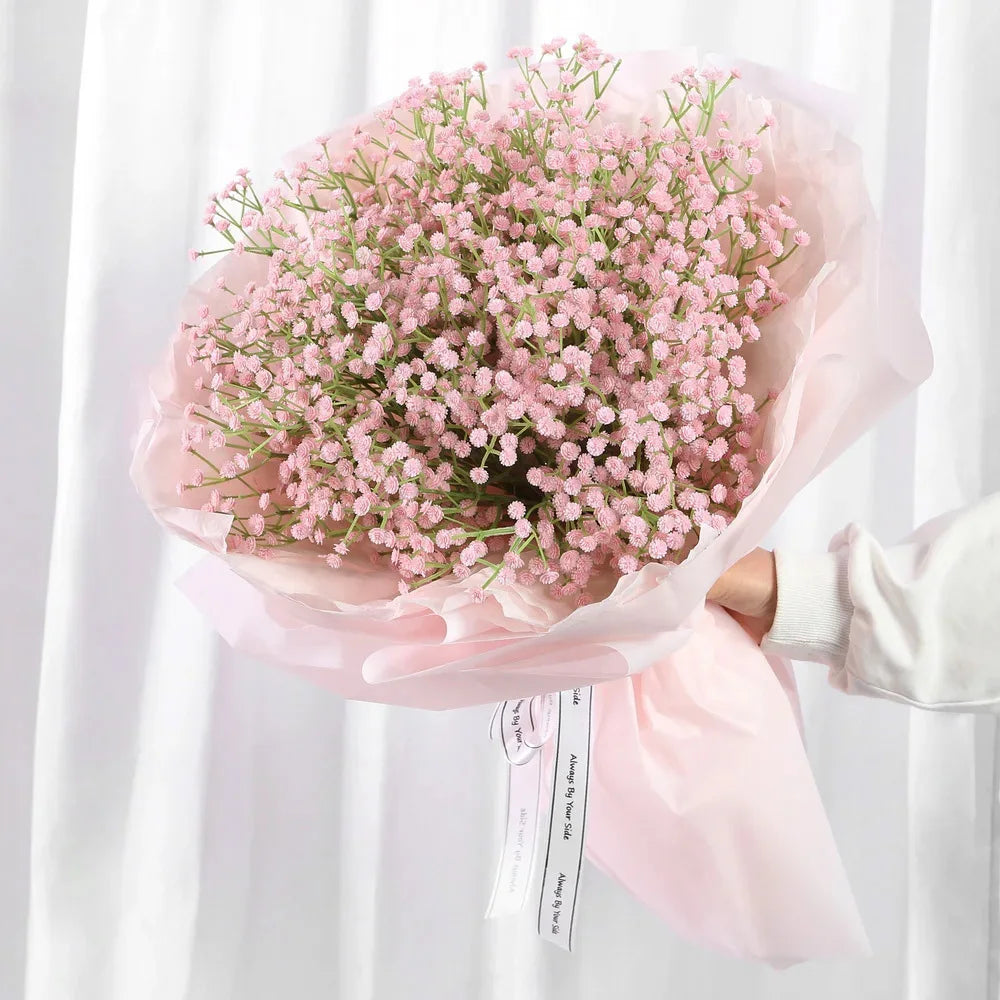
178	822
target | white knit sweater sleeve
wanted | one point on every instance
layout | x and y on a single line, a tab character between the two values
918	622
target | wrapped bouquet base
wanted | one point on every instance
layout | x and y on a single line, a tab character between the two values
702	804
484	399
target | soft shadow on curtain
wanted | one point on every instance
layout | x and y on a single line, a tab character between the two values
207	828
40	50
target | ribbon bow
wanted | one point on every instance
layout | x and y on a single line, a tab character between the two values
523	727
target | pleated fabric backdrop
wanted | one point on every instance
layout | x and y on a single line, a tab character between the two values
181	823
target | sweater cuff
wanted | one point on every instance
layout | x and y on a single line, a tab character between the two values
812	619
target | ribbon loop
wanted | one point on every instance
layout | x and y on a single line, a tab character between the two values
524	726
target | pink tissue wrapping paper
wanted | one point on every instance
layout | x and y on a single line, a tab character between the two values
702	801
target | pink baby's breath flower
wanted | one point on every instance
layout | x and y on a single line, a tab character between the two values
483	349
628	564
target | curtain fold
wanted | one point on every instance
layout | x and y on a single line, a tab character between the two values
39	80
205	827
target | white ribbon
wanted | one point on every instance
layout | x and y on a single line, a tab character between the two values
523	727
567	819
513	880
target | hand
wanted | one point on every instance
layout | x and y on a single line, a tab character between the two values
749	592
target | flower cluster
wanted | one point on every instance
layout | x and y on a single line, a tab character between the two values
495	337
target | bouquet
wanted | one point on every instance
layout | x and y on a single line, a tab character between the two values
487	390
